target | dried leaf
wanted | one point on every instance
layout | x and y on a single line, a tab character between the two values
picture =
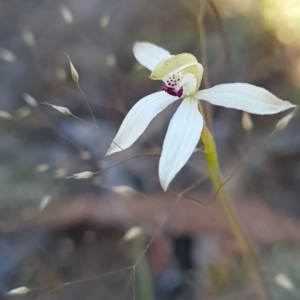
283	281
282	123
61	74
61	109
133	233
247	122
22	290
7	55
66	14
28	37
23	112
5	115
74	72
30	100
45	201
60	173
84	155
41	168
124	190
110	60
104	20
83	175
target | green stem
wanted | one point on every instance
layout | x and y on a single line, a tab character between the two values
249	256
202	42
203	58
143	274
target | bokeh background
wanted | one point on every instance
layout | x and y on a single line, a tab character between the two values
116	235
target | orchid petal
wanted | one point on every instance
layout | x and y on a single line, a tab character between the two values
173	64
181	140
243	96
189	83
138	118
185	63
149	55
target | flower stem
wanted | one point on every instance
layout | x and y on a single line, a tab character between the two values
249	256
203	58
141	267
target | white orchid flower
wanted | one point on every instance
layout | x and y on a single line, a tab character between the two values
182	75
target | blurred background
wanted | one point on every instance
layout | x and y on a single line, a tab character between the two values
115	234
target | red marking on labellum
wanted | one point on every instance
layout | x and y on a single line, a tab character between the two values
172	91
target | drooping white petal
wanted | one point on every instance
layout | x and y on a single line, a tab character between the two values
181	140
138	118
149	55
243	96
